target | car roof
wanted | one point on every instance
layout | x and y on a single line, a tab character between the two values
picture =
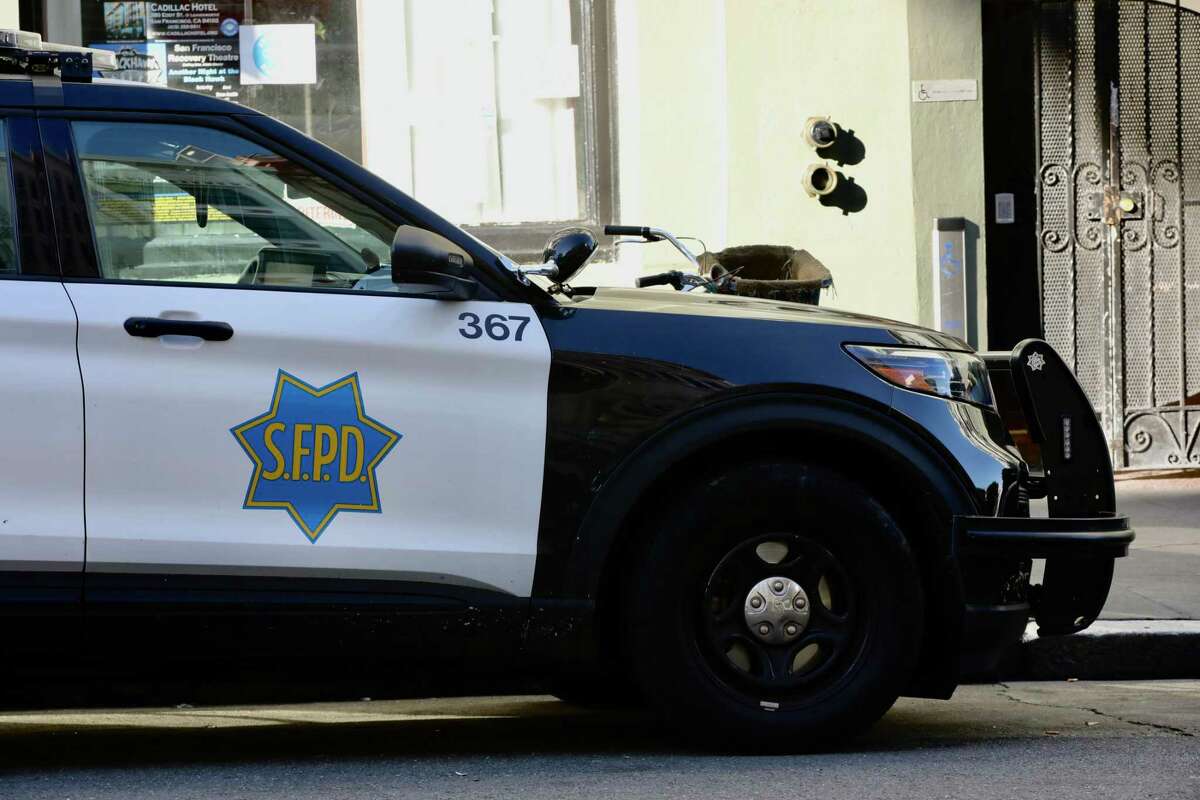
106	94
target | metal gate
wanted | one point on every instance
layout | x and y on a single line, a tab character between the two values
1118	108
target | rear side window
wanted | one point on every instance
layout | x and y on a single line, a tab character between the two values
196	205
8	238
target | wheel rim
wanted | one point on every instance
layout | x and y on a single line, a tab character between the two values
779	616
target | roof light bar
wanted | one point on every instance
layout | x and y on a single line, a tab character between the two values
24	53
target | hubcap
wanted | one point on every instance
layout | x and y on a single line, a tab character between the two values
776	610
780	616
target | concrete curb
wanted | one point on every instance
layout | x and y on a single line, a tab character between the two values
1109	650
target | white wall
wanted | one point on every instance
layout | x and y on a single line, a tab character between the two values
10	14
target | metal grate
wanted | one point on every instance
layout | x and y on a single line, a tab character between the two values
1144	372
1163	166
1137	271
1189	124
1089	231
1056	152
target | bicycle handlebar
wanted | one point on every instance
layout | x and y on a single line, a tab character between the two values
627	230
673	278
652	235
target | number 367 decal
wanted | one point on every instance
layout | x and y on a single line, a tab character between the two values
496	326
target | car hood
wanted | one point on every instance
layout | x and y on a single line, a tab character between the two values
703	304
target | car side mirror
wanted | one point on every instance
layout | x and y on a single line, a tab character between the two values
567	253
425	264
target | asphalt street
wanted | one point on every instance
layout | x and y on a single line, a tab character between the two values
1054	740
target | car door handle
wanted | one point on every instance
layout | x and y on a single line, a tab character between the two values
153	327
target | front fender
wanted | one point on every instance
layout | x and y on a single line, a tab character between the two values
883	445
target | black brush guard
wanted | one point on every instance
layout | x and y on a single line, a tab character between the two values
1053	424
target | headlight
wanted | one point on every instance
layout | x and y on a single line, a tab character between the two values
957	376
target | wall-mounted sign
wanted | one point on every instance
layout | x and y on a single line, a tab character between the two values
182	19
209	66
279	54
944	91
1006	208
180	43
160	20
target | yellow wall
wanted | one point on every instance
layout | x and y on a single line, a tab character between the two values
711	100
793	59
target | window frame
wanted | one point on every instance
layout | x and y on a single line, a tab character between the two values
35	245
595	153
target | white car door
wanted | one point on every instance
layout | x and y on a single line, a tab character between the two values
41	427
300	423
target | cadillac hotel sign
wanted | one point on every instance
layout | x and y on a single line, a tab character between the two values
185	45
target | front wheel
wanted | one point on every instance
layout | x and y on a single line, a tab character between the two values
776	607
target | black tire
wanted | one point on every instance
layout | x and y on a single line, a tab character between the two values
689	591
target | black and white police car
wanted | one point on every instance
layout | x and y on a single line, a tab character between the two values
262	410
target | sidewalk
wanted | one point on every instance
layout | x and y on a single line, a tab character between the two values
1160	578
1150	627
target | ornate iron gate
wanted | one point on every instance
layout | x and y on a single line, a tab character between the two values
1118	109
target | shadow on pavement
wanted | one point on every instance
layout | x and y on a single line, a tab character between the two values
499	726
264	736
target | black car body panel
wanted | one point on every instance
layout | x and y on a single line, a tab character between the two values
628	365
647	388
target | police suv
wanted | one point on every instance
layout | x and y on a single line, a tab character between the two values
264	411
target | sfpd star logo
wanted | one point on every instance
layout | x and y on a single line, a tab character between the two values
1036	361
315	452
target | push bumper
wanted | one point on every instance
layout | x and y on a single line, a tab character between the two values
1053	424
1079	555
1044	537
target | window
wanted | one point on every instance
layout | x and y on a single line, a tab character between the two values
192	204
8	239
328	110
491	112
494	113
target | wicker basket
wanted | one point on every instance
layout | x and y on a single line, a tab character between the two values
773	272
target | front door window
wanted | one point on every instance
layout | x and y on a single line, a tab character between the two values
198	205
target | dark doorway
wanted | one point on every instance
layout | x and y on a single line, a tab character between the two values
1010	162
33	16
